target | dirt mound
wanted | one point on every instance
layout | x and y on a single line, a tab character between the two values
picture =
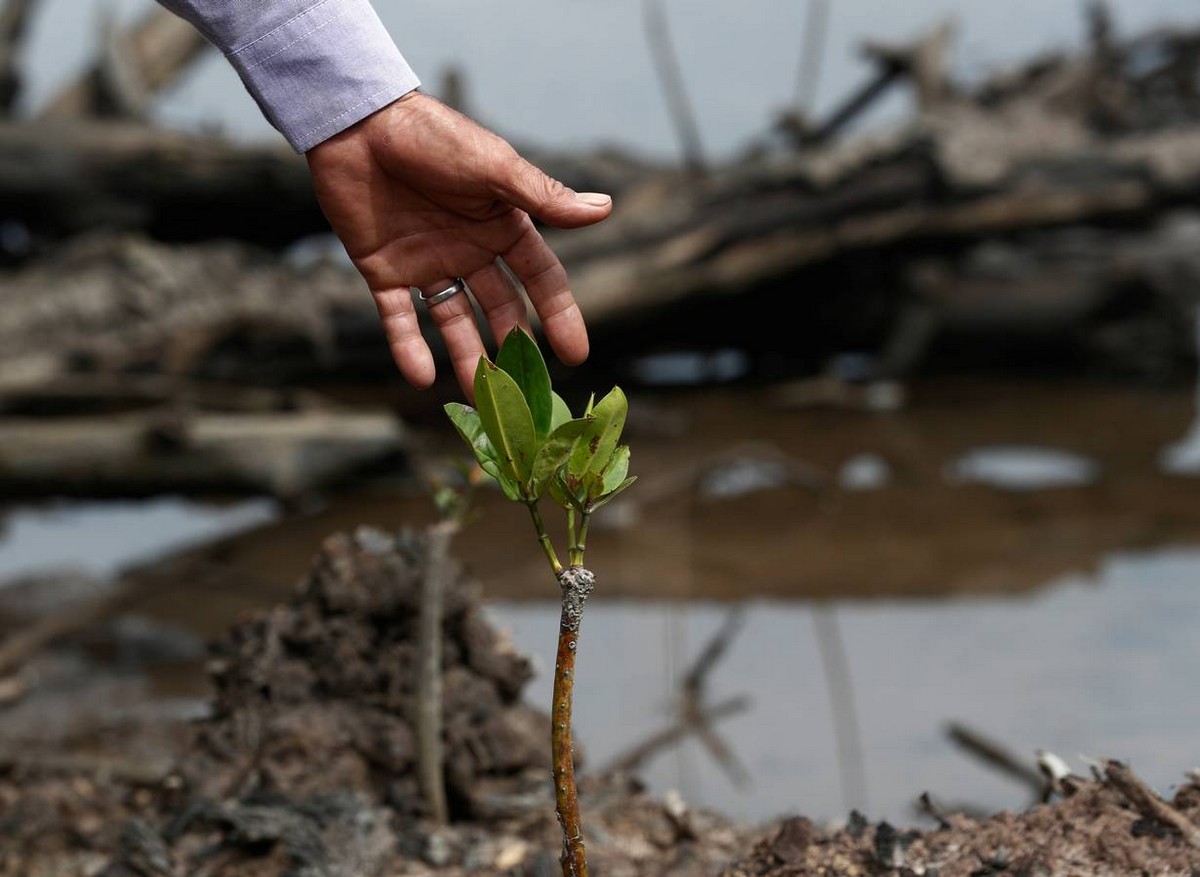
318	696
1111	825
306	765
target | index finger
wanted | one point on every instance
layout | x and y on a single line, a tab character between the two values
545	281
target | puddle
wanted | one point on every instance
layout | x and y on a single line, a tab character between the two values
1016	468
101	538
864	472
1103	666
691	368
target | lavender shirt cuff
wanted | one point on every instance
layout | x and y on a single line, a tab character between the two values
315	66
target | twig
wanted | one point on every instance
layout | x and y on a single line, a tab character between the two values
927	806
577	583
722	754
846	732
997	756
137	772
434	585
635	756
15	16
696	678
1151	806
694	717
21	646
815	31
670	77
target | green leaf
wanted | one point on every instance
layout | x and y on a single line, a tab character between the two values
520	358
562	495
560	412
616	469
470	426
612	494
506	420
554	453
510	488
598	441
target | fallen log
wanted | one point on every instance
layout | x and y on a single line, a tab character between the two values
161	451
63	178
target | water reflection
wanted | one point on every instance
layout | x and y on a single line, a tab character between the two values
1019	468
101	538
1102	665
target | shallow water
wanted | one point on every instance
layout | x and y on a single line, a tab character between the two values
1103	665
102	538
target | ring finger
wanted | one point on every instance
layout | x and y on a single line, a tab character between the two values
455	319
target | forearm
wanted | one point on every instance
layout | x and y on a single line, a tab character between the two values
315	67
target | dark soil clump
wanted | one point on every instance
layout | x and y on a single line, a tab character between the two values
1097	831
316	696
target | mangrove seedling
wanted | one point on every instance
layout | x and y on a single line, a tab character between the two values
524	436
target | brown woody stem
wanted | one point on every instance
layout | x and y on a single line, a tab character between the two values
577	584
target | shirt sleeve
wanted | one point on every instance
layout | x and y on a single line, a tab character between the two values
315	67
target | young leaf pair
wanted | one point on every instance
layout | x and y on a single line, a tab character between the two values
523	435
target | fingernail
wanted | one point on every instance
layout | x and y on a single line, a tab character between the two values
595	199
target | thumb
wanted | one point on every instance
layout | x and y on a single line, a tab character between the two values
541	196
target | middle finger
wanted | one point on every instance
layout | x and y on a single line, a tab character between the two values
498	297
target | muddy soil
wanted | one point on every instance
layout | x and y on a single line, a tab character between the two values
305	766
1099	830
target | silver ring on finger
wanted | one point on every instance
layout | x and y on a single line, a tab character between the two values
456	286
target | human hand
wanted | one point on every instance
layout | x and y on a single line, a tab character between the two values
419	194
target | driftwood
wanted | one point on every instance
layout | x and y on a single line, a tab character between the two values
890	238
133	67
62	177
143	453
65	177
15	16
855	226
220	311
998	757
1149	804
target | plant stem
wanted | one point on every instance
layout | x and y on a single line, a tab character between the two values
429	680
581	538
544	538
573	555
576	583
